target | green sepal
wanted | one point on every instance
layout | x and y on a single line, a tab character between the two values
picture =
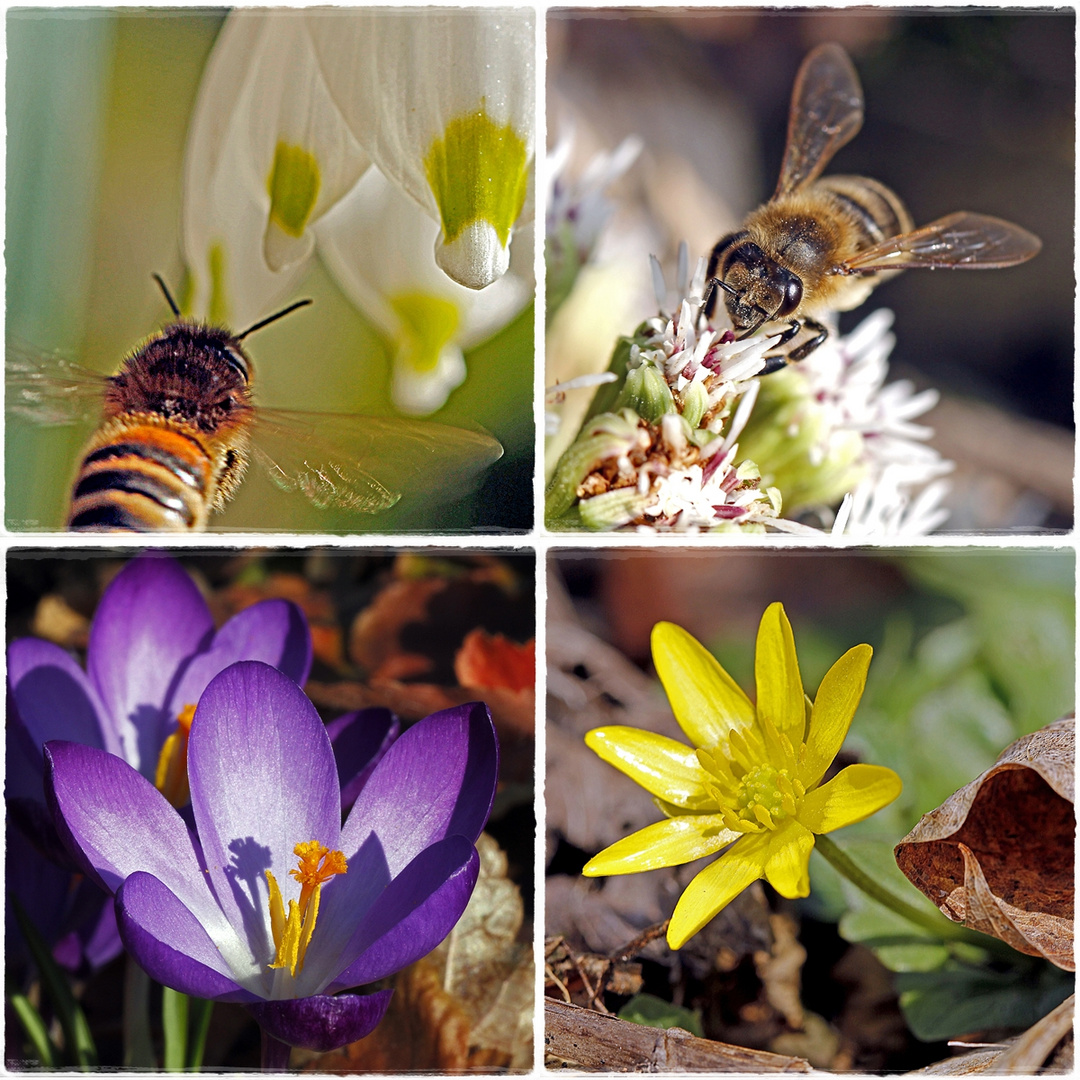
612	509
607	436
645	390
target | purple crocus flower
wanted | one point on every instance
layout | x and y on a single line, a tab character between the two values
216	913
152	651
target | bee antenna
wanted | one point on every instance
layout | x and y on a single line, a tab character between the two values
272	318
165	292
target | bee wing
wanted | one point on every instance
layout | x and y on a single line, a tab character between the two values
365	463
826	112
959	241
51	389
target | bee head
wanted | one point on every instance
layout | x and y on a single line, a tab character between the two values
757	289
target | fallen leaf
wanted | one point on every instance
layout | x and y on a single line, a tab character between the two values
468	1005
998	854
489	660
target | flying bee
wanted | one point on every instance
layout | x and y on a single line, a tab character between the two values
819	246
178	427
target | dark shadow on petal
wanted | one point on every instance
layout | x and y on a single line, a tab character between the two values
360	739
152	726
247	874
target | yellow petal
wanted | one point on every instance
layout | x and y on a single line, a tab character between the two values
670	842
660	765
706	701
853	794
776	667
787	868
835	705
716	886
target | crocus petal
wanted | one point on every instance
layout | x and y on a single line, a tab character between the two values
776	667
443	102
273	631
788	860
321	1023
834	707
706	701
170	944
150	620
263	779
412	914
438	779
267	155
662	766
360	740
117	823
716	886
53	699
670	842
852	795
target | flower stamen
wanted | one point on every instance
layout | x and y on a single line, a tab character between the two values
292	933
171	777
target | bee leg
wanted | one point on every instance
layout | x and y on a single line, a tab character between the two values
790	332
804	350
773	363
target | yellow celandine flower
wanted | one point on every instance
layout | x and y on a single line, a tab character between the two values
752	778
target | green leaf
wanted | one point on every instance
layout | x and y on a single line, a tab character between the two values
967	1000
655	1012
35	1029
78	1042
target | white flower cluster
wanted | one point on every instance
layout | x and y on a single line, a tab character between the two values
901	491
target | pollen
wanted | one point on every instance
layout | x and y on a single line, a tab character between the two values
292	932
171	778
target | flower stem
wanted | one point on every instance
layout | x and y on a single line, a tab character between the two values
939	926
138	1045
275	1054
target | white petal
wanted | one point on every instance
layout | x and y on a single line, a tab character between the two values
262	105
423	392
377	244
420	90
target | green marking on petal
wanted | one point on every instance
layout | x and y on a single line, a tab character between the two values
294	186
218	309
477	172
429	323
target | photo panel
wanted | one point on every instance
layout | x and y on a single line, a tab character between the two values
819	364
770	778
270	809
345	196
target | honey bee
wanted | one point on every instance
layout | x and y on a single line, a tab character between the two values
179	426
822	245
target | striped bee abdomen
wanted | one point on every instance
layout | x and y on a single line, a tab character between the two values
139	475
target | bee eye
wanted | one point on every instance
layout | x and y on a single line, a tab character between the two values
792	296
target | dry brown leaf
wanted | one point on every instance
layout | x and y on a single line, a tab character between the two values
468	1004
56	621
780	971
998	854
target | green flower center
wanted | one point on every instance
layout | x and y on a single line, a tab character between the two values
767	796
753	778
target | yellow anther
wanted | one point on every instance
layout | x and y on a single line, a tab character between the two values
292	932
171	777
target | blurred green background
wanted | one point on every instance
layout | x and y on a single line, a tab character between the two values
98	103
